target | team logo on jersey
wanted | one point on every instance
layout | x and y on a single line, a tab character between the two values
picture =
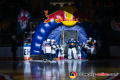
72	44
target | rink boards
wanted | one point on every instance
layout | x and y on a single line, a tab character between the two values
24	52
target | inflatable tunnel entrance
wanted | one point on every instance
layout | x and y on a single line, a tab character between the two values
68	18
82	35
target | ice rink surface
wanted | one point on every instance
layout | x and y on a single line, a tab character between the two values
58	70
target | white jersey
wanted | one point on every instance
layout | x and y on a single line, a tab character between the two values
47	48
54	49
92	49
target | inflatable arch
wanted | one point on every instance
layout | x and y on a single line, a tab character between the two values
68	18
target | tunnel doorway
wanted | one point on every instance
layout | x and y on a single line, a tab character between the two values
65	36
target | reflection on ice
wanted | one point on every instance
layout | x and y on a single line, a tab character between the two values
27	68
56	70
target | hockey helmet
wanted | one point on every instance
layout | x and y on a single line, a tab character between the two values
48	40
90	38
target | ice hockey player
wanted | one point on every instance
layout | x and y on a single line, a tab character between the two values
72	47
47	50
54	47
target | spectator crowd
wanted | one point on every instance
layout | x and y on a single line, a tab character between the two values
107	8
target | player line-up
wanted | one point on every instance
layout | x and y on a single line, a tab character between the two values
51	49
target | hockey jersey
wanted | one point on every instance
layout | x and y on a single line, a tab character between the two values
48	48
54	46
72	43
91	48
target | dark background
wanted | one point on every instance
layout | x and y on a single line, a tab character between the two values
9	11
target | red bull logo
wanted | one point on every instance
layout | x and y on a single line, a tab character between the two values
58	16
61	16
23	19
68	15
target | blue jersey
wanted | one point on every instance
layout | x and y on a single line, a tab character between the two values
72	43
